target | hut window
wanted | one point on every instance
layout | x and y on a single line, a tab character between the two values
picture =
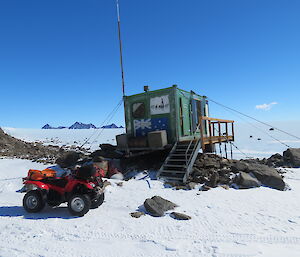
138	110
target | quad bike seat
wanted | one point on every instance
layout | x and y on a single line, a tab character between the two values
56	181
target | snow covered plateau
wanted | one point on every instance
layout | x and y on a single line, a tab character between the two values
251	222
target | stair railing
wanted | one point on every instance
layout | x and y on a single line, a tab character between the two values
194	148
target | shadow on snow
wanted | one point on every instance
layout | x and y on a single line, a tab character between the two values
46	213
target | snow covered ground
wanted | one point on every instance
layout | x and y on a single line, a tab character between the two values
253	222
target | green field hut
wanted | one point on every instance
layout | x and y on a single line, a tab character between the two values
171	118
171	109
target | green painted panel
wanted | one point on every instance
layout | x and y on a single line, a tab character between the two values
151	110
158	113
185	124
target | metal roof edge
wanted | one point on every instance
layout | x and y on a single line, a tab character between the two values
162	89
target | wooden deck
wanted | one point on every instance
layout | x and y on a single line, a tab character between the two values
217	139
219	131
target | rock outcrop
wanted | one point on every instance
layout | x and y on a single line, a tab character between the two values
13	147
292	157
247	180
213	170
157	206
266	175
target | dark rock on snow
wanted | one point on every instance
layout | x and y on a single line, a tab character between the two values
276	160
267	176
213	170
290	159
292	156
180	216
213	181
137	214
239	166
247	180
157	206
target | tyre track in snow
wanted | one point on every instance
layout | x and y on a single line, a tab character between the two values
207	241
29	236
160	235
205	238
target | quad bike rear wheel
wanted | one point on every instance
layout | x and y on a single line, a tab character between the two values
98	201
79	204
33	201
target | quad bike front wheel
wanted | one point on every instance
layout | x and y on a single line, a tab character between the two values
98	201
33	201
79	204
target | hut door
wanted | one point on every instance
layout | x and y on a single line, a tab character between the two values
196	112
184	114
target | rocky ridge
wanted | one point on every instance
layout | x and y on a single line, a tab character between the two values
12	147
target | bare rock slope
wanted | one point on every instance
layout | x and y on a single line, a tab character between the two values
13	147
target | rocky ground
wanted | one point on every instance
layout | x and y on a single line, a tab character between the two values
213	170
16	148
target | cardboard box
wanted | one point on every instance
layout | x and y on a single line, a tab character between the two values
157	139
122	141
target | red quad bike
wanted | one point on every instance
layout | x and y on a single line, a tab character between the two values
82	190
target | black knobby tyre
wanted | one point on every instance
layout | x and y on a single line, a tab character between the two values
79	204
33	201
98	201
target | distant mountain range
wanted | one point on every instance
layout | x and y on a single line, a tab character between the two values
80	125
113	125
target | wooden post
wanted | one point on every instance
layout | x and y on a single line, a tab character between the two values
232	130
226	150
220	134
226	131
210	135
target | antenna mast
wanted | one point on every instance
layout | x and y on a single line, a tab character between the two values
120	46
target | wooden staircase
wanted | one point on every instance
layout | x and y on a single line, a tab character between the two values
179	163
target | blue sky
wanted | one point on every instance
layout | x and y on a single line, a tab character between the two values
59	59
